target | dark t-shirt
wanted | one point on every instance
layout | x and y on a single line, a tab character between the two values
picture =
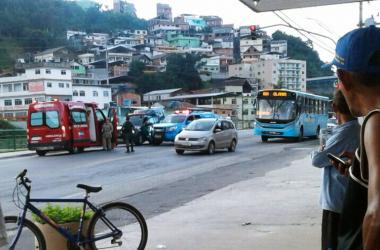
127	128
356	200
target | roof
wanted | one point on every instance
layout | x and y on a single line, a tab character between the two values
162	92
272	5
48	51
181	97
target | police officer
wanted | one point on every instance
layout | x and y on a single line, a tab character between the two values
127	131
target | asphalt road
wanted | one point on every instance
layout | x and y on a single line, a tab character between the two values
154	178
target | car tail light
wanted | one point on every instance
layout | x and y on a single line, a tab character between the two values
63	131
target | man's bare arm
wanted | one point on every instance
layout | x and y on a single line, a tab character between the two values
371	223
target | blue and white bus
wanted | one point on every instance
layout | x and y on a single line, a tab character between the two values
290	114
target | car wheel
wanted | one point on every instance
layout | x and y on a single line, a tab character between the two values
157	142
180	151
41	152
74	150
211	148
264	138
232	146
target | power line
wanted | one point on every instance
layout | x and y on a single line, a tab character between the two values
319	40
302	34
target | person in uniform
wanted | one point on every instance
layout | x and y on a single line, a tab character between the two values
128	132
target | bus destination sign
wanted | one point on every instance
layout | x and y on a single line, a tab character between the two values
275	94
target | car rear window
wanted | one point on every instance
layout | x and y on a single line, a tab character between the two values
48	118
36	119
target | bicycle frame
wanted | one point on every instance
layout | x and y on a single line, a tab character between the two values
74	239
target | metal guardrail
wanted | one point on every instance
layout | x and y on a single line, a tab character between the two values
12	140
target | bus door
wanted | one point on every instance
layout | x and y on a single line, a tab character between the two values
309	117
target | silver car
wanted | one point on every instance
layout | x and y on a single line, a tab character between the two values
207	135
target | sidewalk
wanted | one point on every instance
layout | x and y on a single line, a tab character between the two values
7	155
277	211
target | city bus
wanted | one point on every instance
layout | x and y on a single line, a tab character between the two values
290	114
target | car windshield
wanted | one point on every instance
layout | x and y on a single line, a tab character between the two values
201	125
174	119
273	109
136	120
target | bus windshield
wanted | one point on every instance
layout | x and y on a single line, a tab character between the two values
277	109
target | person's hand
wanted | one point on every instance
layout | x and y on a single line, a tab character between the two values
342	168
322	147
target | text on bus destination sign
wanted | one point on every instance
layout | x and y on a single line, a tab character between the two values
275	93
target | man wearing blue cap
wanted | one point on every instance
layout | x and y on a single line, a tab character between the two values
358	68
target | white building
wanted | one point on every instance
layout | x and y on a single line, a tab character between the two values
245	44
100	94
279	46
86	58
279	73
159	95
41	81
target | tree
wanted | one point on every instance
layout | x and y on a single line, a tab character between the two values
136	69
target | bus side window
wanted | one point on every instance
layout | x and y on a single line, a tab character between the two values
300	101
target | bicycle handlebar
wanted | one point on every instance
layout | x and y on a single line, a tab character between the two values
24	180
22	174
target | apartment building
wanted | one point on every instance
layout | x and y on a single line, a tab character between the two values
40	82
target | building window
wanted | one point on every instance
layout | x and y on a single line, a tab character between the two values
17	87
75	93
82	93
94	93
105	93
47	71
7	88
21	114
18	102
25	86
8	115
7	102
61	85
28	101
67	85
63	72
233	101
37	71
49	84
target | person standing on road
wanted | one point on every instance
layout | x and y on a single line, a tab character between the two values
107	131
345	137
358	68
127	131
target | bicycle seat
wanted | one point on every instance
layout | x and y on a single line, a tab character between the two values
89	189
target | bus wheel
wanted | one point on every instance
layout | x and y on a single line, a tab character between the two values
81	149
317	132
264	138
41	152
300	136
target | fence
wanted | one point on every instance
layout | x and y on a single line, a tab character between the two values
12	140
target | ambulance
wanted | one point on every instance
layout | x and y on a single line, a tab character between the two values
64	125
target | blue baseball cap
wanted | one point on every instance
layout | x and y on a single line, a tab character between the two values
359	51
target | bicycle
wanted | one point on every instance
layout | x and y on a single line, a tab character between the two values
107	228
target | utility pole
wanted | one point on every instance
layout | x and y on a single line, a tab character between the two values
107	69
3	233
360	14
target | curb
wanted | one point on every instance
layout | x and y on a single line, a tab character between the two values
14	156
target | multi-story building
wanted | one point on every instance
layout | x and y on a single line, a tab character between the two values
164	11
100	94
213	21
195	22
40	82
280	47
122	6
183	41
278	73
57	55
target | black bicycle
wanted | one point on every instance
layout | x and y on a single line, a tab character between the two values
114	225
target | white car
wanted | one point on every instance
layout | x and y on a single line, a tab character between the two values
207	135
332	123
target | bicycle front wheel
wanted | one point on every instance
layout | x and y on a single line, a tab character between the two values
127	219
30	238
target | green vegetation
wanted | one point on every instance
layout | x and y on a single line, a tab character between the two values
11	138
30	26
62	215
6	125
181	72
299	50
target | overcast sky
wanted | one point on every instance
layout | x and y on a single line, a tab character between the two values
332	21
